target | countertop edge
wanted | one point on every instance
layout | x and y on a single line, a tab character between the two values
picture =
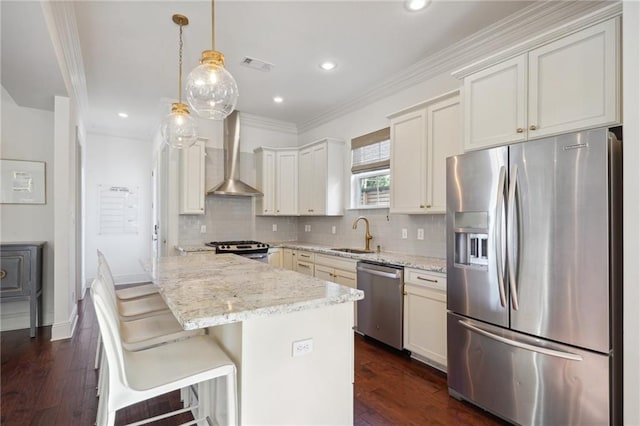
431	264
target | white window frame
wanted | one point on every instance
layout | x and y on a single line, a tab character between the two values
355	189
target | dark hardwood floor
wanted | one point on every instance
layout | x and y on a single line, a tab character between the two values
54	383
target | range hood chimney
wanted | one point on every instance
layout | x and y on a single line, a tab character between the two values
232	185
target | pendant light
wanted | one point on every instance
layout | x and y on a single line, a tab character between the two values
179	129
211	91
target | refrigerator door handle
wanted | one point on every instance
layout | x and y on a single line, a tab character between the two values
511	205
522	345
499	244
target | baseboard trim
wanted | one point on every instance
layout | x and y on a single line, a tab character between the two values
65	330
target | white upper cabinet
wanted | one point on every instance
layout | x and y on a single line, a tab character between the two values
320	178
287	182
444	139
495	105
422	137
192	179
277	178
569	84
266	181
573	82
408	162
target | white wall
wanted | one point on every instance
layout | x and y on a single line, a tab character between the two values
116	161
374	116
27	134
631	197
64	219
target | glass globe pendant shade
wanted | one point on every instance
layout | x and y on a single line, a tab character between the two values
212	91
178	129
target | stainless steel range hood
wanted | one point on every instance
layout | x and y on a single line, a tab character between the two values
232	185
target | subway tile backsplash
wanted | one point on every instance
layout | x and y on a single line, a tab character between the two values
233	218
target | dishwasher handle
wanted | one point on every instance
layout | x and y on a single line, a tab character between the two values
395	275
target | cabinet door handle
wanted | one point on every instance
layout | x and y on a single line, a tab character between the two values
519	130
422	206
427	279
532	127
265	210
405	293
304	266
428	206
277	211
3	274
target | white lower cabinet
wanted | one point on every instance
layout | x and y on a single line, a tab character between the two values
340	271
425	315
304	262
337	269
275	257
288	258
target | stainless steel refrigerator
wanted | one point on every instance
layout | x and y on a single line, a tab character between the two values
534	268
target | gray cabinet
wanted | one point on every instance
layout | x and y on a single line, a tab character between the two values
21	277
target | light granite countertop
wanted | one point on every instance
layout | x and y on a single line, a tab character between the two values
425	263
209	290
391	258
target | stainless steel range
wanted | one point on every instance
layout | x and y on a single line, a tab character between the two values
251	249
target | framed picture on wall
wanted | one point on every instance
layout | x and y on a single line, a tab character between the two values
22	182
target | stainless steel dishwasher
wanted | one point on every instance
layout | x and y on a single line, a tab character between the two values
380	312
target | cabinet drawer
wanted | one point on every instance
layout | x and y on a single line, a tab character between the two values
336	262
428	279
15	273
304	267
305	256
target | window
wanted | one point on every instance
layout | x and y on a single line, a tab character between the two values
370	177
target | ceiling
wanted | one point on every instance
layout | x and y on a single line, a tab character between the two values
130	52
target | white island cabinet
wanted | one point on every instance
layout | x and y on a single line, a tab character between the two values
259	314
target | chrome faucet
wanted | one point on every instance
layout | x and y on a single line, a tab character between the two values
367	235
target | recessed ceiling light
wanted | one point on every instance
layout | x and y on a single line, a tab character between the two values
278	99
328	65
123	115
415	5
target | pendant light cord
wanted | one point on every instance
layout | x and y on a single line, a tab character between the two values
213	25
180	67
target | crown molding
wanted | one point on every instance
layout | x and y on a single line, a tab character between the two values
593	18
61	22
522	25
260	122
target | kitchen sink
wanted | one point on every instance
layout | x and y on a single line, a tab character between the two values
352	250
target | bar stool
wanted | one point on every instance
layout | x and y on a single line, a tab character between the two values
137	376
134	292
128	310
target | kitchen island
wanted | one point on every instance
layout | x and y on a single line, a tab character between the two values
290	335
